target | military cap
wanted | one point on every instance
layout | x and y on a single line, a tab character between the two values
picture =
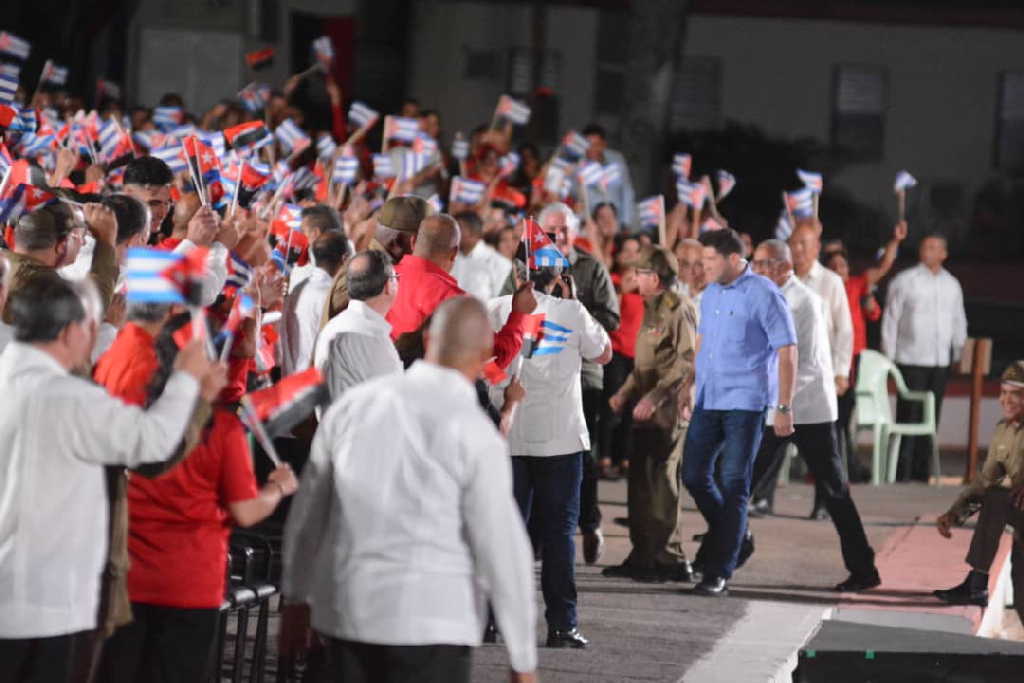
1014	374
404	213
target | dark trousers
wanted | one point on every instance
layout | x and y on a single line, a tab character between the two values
733	437
819	449
161	645
847	448
615	441
547	489
590	512
653	498
40	660
355	662
916	451
996	512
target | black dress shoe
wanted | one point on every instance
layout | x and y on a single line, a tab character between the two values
649	575
711	587
593	546
571	638
618	571
856	584
746	550
973	591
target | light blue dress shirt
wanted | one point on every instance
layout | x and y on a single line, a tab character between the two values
742	326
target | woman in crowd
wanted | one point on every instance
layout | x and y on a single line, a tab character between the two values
615	429
179	527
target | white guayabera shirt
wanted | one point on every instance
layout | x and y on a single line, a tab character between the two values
924	322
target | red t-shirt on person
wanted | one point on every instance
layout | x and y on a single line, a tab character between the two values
179	523
421	289
127	367
856	289
631	309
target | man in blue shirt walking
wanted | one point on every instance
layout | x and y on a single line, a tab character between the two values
746	362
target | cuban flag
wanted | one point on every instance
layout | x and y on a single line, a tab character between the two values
171	155
512	109
214	139
904	180
108	89
14	46
575	144
611	174
532	333
281	406
241	308
254	97
382	166
726	181
410	163
53	73
801	202
465	191
291	137
402	128
303	178
240	273
651	211
554	340
435	203
425	145
508	164
114	142
168	118
206	165
164	277
346	169
682	164
542	251
325	146
460	147
590	173
9	77
5	159
32	145
323	50
361	115
811	180
691	194
557	182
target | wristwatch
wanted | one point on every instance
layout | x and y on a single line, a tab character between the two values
783	408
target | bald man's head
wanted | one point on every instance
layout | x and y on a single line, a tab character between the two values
438	240
460	336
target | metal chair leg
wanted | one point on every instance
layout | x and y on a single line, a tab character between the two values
240	636
259	651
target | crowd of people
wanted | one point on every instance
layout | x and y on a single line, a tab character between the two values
487	359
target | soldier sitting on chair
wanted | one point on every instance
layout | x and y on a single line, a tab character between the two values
998	490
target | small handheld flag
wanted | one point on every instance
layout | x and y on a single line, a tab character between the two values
382	166
515	111
542	251
651	211
465	191
904	180
801	202
247	136
682	164
575	144
726	182
814	181
164	277
460	147
168	118
291	137
323	50
260	59
281	406
346	169
402	128
361	115
590	173
14	46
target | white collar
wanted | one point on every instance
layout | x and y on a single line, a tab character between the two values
375	319
19	357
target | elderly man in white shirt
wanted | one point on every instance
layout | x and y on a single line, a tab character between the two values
479	269
397	554
304	305
58	432
356	345
549	437
924	328
814	415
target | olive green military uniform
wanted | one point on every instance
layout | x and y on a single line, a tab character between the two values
664	359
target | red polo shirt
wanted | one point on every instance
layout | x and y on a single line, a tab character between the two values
127	367
422	286
857	288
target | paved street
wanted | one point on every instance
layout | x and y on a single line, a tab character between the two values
644	632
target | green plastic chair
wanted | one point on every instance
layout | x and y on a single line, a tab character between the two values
875	412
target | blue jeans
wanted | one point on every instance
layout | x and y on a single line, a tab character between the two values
734	436
548	488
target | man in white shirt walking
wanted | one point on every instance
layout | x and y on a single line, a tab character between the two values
549	437
396	551
356	344
814	415
304	305
924	328
58	432
478	268
805	246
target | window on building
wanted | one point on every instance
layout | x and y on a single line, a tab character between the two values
1009	143
859	100
697	94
